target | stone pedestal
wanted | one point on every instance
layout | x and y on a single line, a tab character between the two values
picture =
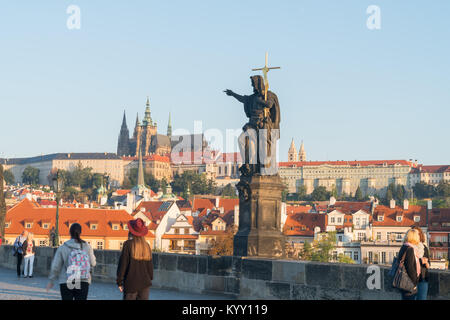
259	231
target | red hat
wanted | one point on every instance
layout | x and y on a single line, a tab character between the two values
137	227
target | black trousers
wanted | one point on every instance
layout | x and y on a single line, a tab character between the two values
74	294
138	295
19	263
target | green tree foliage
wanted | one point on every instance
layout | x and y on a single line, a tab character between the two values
320	194
30	175
2	206
9	177
307	251
229	191
358	194
342	258
443	189
424	190
197	183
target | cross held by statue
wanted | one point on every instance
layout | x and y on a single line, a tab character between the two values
265	71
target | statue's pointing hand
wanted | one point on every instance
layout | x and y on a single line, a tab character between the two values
228	92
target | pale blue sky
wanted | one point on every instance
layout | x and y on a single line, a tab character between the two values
347	91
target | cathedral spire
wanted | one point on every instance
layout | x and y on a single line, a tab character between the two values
147	118
141	181
169	128
124	120
292	153
302	153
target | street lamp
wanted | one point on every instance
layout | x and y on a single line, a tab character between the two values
57	186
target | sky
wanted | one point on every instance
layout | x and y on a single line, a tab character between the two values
349	92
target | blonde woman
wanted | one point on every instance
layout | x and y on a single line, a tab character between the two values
412	260
28	249
424	253
135	269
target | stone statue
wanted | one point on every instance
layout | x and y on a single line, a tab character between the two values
258	140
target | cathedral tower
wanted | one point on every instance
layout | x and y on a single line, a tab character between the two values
292	153
123	148
302	153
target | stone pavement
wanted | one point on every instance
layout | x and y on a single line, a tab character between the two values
13	288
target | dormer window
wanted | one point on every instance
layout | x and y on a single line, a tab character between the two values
28	225
94	226
380	218
45	225
7	224
399	218
416	218
125	226
115	227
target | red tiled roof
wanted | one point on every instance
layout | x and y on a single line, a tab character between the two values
390	216
27	211
431	169
304	224
345	163
152	157
122	192
179	236
298	209
437	218
152	209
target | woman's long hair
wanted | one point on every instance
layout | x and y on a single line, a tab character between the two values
140	249
75	233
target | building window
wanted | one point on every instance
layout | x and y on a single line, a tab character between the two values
416	218
7	224
399	218
370	256
380	218
355	256
125	227
115	227
378	235
45	226
93	227
176	230
99	245
383	257
186	230
28	225
339	220
42	243
332	220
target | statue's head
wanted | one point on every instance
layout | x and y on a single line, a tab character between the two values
258	84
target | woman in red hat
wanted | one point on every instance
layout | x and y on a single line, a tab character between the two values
135	269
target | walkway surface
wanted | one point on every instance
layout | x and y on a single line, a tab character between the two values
13	288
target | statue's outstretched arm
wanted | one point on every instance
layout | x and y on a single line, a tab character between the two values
238	97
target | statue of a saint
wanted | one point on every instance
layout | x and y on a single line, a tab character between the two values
258	140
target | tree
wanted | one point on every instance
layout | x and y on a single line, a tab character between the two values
320	194
30	175
443	189
358	194
2	206
9	177
342	258
222	245
229	191
323	247
424	190
306	252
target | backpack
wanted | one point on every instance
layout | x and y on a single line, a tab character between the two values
78	263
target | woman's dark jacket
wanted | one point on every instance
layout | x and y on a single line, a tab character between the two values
24	248
424	271
132	274
410	262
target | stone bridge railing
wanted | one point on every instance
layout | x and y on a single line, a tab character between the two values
252	278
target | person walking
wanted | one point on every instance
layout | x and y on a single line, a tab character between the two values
424	254
72	266
18	250
412	261
135	268
29	250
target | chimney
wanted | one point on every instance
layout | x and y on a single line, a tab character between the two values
236	215
405	204
217	202
429	208
332	201
392	204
